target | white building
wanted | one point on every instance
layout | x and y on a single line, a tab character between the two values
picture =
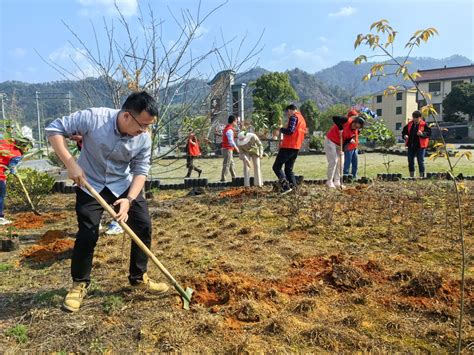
439	82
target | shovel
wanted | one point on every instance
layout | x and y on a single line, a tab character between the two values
185	295
35	211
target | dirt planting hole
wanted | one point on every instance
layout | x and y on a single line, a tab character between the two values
345	277
425	284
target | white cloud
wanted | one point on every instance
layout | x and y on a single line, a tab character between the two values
344	12
100	7
201	31
17	52
67	52
280	49
323	39
74	60
309	60
310	55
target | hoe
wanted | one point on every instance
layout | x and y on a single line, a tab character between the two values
185	295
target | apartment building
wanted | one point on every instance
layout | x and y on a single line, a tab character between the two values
396	109
439	82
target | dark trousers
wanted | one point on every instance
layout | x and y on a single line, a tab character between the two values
3	193
190	165
285	157
419	153
89	213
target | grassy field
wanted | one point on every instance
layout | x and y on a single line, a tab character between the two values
371	269
310	166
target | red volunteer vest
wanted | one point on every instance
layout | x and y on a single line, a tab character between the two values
295	140
225	140
347	133
423	140
352	146
8	150
194	149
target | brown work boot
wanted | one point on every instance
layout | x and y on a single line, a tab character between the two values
72	301
149	285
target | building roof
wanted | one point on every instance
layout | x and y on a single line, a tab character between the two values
220	75
465	71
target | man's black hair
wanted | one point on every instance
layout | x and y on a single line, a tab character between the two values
416	114
359	120
291	107
231	119
139	102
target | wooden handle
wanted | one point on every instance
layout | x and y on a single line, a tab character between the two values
135	238
26	192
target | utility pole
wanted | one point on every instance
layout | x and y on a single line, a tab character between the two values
69	102
40	138
2	95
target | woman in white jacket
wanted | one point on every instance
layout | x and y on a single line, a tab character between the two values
250	151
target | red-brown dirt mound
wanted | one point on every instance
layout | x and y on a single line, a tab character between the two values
219	289
305	273
51	246
29	220
240	192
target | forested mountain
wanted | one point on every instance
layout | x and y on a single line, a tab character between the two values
338	84
347	75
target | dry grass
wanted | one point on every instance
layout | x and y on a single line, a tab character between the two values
319	270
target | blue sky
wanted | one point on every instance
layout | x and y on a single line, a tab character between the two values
311	35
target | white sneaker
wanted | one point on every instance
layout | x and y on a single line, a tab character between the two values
330	185
287	191
4	221
114	228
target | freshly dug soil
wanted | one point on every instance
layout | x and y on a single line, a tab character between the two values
51	246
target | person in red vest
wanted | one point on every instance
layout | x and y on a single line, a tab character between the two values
345	129
293	136
192	151
417	136
10	156
350	151
228	147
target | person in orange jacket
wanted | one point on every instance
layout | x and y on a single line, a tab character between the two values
417	136
345	129
193	150
293	137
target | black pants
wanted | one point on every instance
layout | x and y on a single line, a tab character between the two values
89	213
190	165
419	153
286	157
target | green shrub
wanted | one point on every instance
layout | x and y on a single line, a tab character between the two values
316	143
19	333
37	184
